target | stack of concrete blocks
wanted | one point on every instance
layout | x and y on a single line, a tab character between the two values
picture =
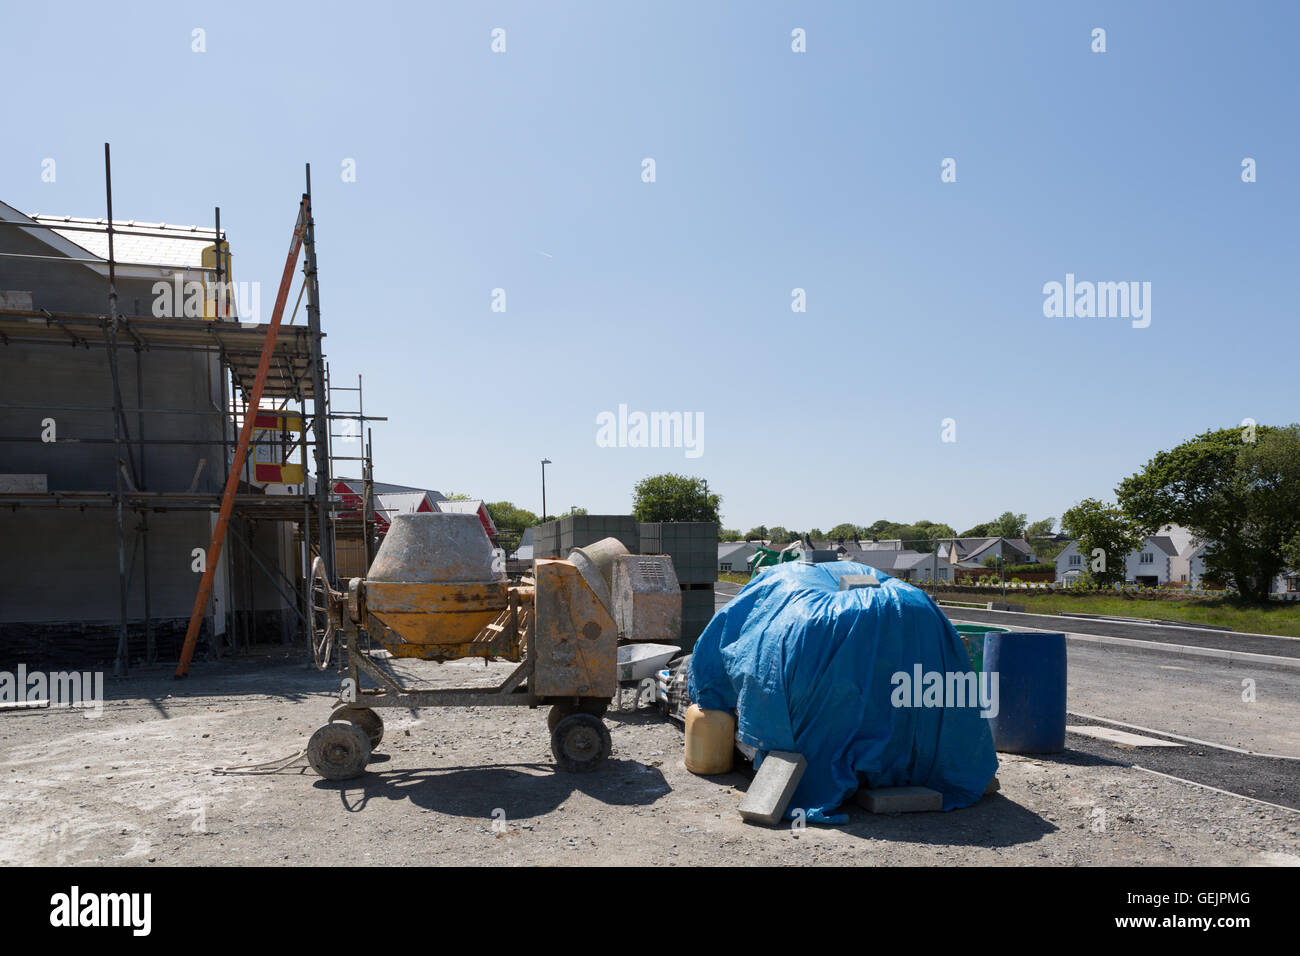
693	546
546	540
555	539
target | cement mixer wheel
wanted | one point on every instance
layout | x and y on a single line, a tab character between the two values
580	743
339	751
363	717
586	705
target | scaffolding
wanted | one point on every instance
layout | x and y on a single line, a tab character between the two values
296	381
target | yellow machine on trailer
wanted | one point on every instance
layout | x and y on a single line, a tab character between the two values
433	593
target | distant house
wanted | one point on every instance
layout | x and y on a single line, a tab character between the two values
1190	570
395	503
973	552
915	567
471	506
734	556
1150	565
392	500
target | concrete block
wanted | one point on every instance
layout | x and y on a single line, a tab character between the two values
819	557
899	799
772	787
850	582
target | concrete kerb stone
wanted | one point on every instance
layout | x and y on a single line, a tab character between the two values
770	791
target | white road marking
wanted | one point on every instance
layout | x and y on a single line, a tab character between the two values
1190	740
1119	737
1206	786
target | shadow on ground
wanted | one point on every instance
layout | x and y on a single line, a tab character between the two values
522	790
995	821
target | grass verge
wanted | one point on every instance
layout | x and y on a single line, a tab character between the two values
1279	618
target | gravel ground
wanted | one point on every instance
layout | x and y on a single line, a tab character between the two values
477	786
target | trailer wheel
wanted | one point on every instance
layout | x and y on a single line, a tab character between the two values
596	706
339	751
363	717
580	742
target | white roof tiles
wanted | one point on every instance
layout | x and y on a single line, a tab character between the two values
179	247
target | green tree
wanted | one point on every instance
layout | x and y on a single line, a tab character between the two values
1099	526
1291	555
672	497
758	533
843	532
1046	549
511	522
1040	529
729	534
1010	525
507	517
1236	488
781	535
924	535
986	530
816	534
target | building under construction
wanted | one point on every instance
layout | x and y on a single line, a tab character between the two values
127	372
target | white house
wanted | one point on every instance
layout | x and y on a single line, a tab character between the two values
1191	571
1150	565
734	556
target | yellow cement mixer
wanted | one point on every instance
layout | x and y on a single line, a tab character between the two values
433	593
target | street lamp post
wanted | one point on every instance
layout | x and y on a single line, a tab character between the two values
545	462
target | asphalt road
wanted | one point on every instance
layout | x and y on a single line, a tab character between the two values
1160	633
1173	694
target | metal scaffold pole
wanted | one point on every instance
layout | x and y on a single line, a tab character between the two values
121	660
321	419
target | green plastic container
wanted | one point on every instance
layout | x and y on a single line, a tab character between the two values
972	635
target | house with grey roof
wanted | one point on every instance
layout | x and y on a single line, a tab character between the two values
1150	565
734	556
973	552
915	567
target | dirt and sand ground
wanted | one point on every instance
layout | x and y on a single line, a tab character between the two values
136	786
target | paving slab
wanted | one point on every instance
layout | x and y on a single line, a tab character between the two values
899	799
772	787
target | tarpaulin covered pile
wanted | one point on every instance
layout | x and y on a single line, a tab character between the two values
812	669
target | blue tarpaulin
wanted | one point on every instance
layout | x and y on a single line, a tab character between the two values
812	669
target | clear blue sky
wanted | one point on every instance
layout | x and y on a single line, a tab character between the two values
775	170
